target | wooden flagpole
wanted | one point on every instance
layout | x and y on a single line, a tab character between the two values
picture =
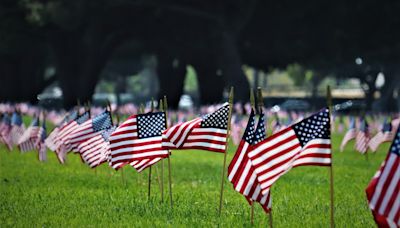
161	107
329	100
260	100
226	149
253	106
165	106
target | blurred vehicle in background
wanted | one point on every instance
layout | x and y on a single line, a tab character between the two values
294	105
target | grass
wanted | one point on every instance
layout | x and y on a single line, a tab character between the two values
53	195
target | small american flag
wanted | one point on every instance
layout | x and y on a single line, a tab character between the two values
362	138
383	192
17	128
5	129
40	145
304	143
51	140
384	135
241	172
61	149
96	150
28	139
90	128
205	133
137	141
350	134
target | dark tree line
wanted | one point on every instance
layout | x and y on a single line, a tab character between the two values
78	38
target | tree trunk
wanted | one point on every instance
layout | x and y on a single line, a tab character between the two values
230	63
171	74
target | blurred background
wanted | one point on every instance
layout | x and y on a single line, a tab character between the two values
56	52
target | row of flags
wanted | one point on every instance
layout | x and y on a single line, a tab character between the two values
362	135
144	139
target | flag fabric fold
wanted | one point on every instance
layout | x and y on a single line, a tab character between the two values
204	133
362	137
383	192
88	129
384	135
304	143
17	128
96	150
350	134
241	172
28	139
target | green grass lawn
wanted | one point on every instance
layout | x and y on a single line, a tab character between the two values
34	194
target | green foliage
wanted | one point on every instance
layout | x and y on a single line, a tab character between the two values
191	83
34	194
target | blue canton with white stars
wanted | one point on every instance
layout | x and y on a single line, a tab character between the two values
217	119
316	126
260	131
102	121
82	118
395	148
150	124
248	135
106	134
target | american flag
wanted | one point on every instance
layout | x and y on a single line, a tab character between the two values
96	150
384	135
362	138
350	134
241	172
204	133
17	128
90	128
305	143
383	192
51	140
28	139
61	149
40	145
5	129
137	141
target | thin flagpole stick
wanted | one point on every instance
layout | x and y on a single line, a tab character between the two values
252	102
165	107
260	107
252	213
155	167
142	110
161	107
329	100
226	150
270	218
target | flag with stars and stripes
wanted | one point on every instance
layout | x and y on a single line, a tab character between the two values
304	143
241	172
95	151
5	130
383	192
204	133
51	140
350	134
137	141
90	128
28	139
63	134
17	127
362	137
40	145
384	135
